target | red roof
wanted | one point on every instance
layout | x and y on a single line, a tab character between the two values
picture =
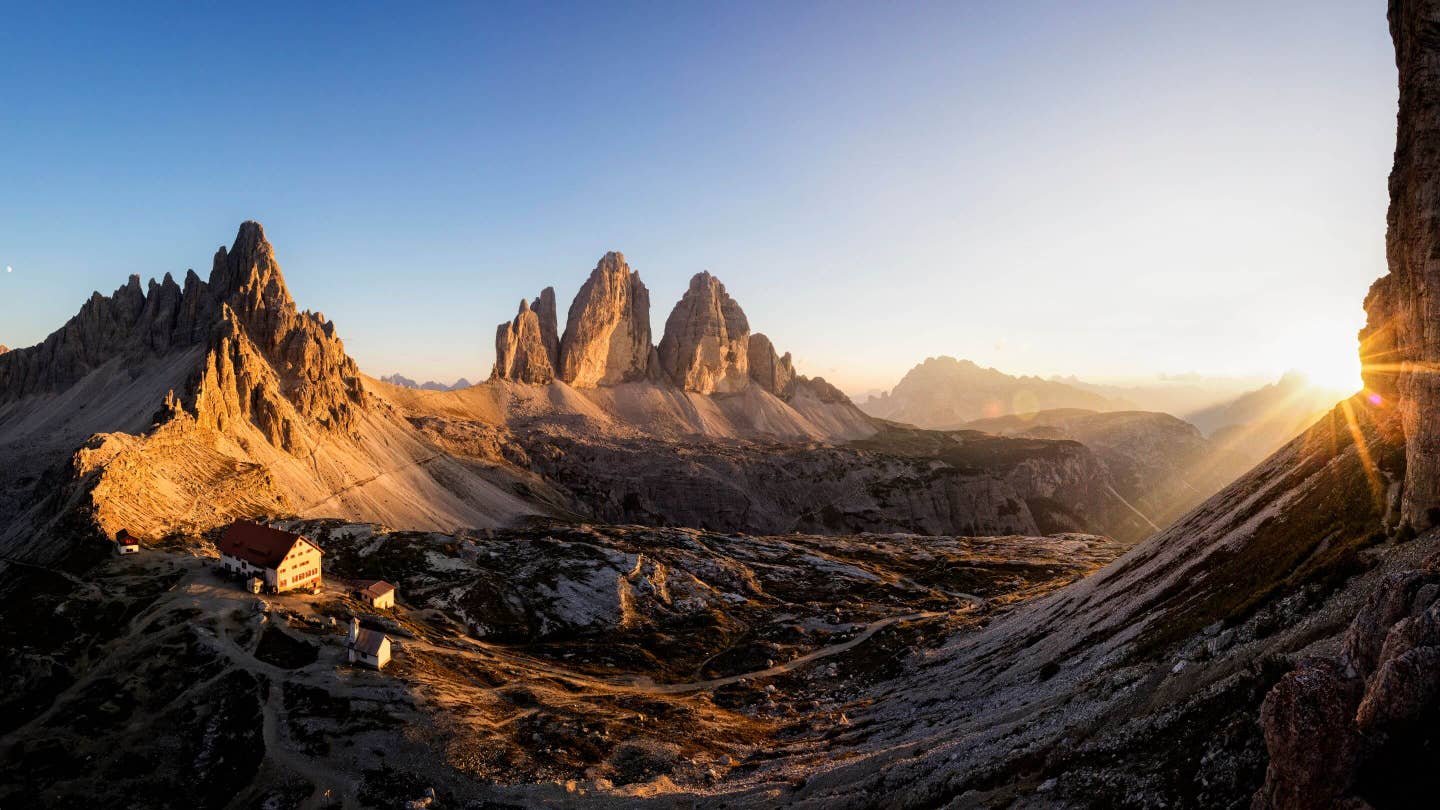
374	588
256	544
124	538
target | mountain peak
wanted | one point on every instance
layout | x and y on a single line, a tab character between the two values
707	339
526	348
249	268
607	332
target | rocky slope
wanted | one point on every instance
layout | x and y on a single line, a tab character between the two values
1161	465
943	392
533	667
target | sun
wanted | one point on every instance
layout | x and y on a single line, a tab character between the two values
1340	372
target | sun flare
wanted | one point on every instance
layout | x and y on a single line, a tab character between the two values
1340	372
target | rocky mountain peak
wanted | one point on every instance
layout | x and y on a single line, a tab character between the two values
248	277
707	339
607	331
244	312
296	361
526	349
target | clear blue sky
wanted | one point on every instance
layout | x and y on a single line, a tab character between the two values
1106	188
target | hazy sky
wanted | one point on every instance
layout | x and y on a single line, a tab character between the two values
1110	189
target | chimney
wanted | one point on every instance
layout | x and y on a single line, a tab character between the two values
354	629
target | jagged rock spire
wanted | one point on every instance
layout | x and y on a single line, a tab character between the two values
607	332
523	347
770	371
266	363
707	339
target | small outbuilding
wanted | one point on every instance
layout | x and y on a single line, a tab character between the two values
125	543
368	647
376	593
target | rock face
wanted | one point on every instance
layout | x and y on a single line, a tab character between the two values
1354	726
544	308
1161	465
607	332
526	349
895	481
268	363
1400	343
129	323
774	373
707	340
4	348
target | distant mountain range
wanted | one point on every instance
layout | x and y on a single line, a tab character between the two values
1245	425
428	385
944	392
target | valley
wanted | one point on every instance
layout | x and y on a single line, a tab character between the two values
654	561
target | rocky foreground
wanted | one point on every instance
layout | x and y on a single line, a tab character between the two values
550	664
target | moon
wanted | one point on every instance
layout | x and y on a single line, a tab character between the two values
9	269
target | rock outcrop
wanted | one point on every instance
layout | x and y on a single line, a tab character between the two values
772	372
130	323
1346	729
4	348
607	332
544	308
526	348
707	340
267	362
1400	344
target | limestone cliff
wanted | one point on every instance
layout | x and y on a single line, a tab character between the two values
707	339
774	373
607	332
267	362
1400	344
526	348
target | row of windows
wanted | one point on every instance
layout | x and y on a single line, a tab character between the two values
299	577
